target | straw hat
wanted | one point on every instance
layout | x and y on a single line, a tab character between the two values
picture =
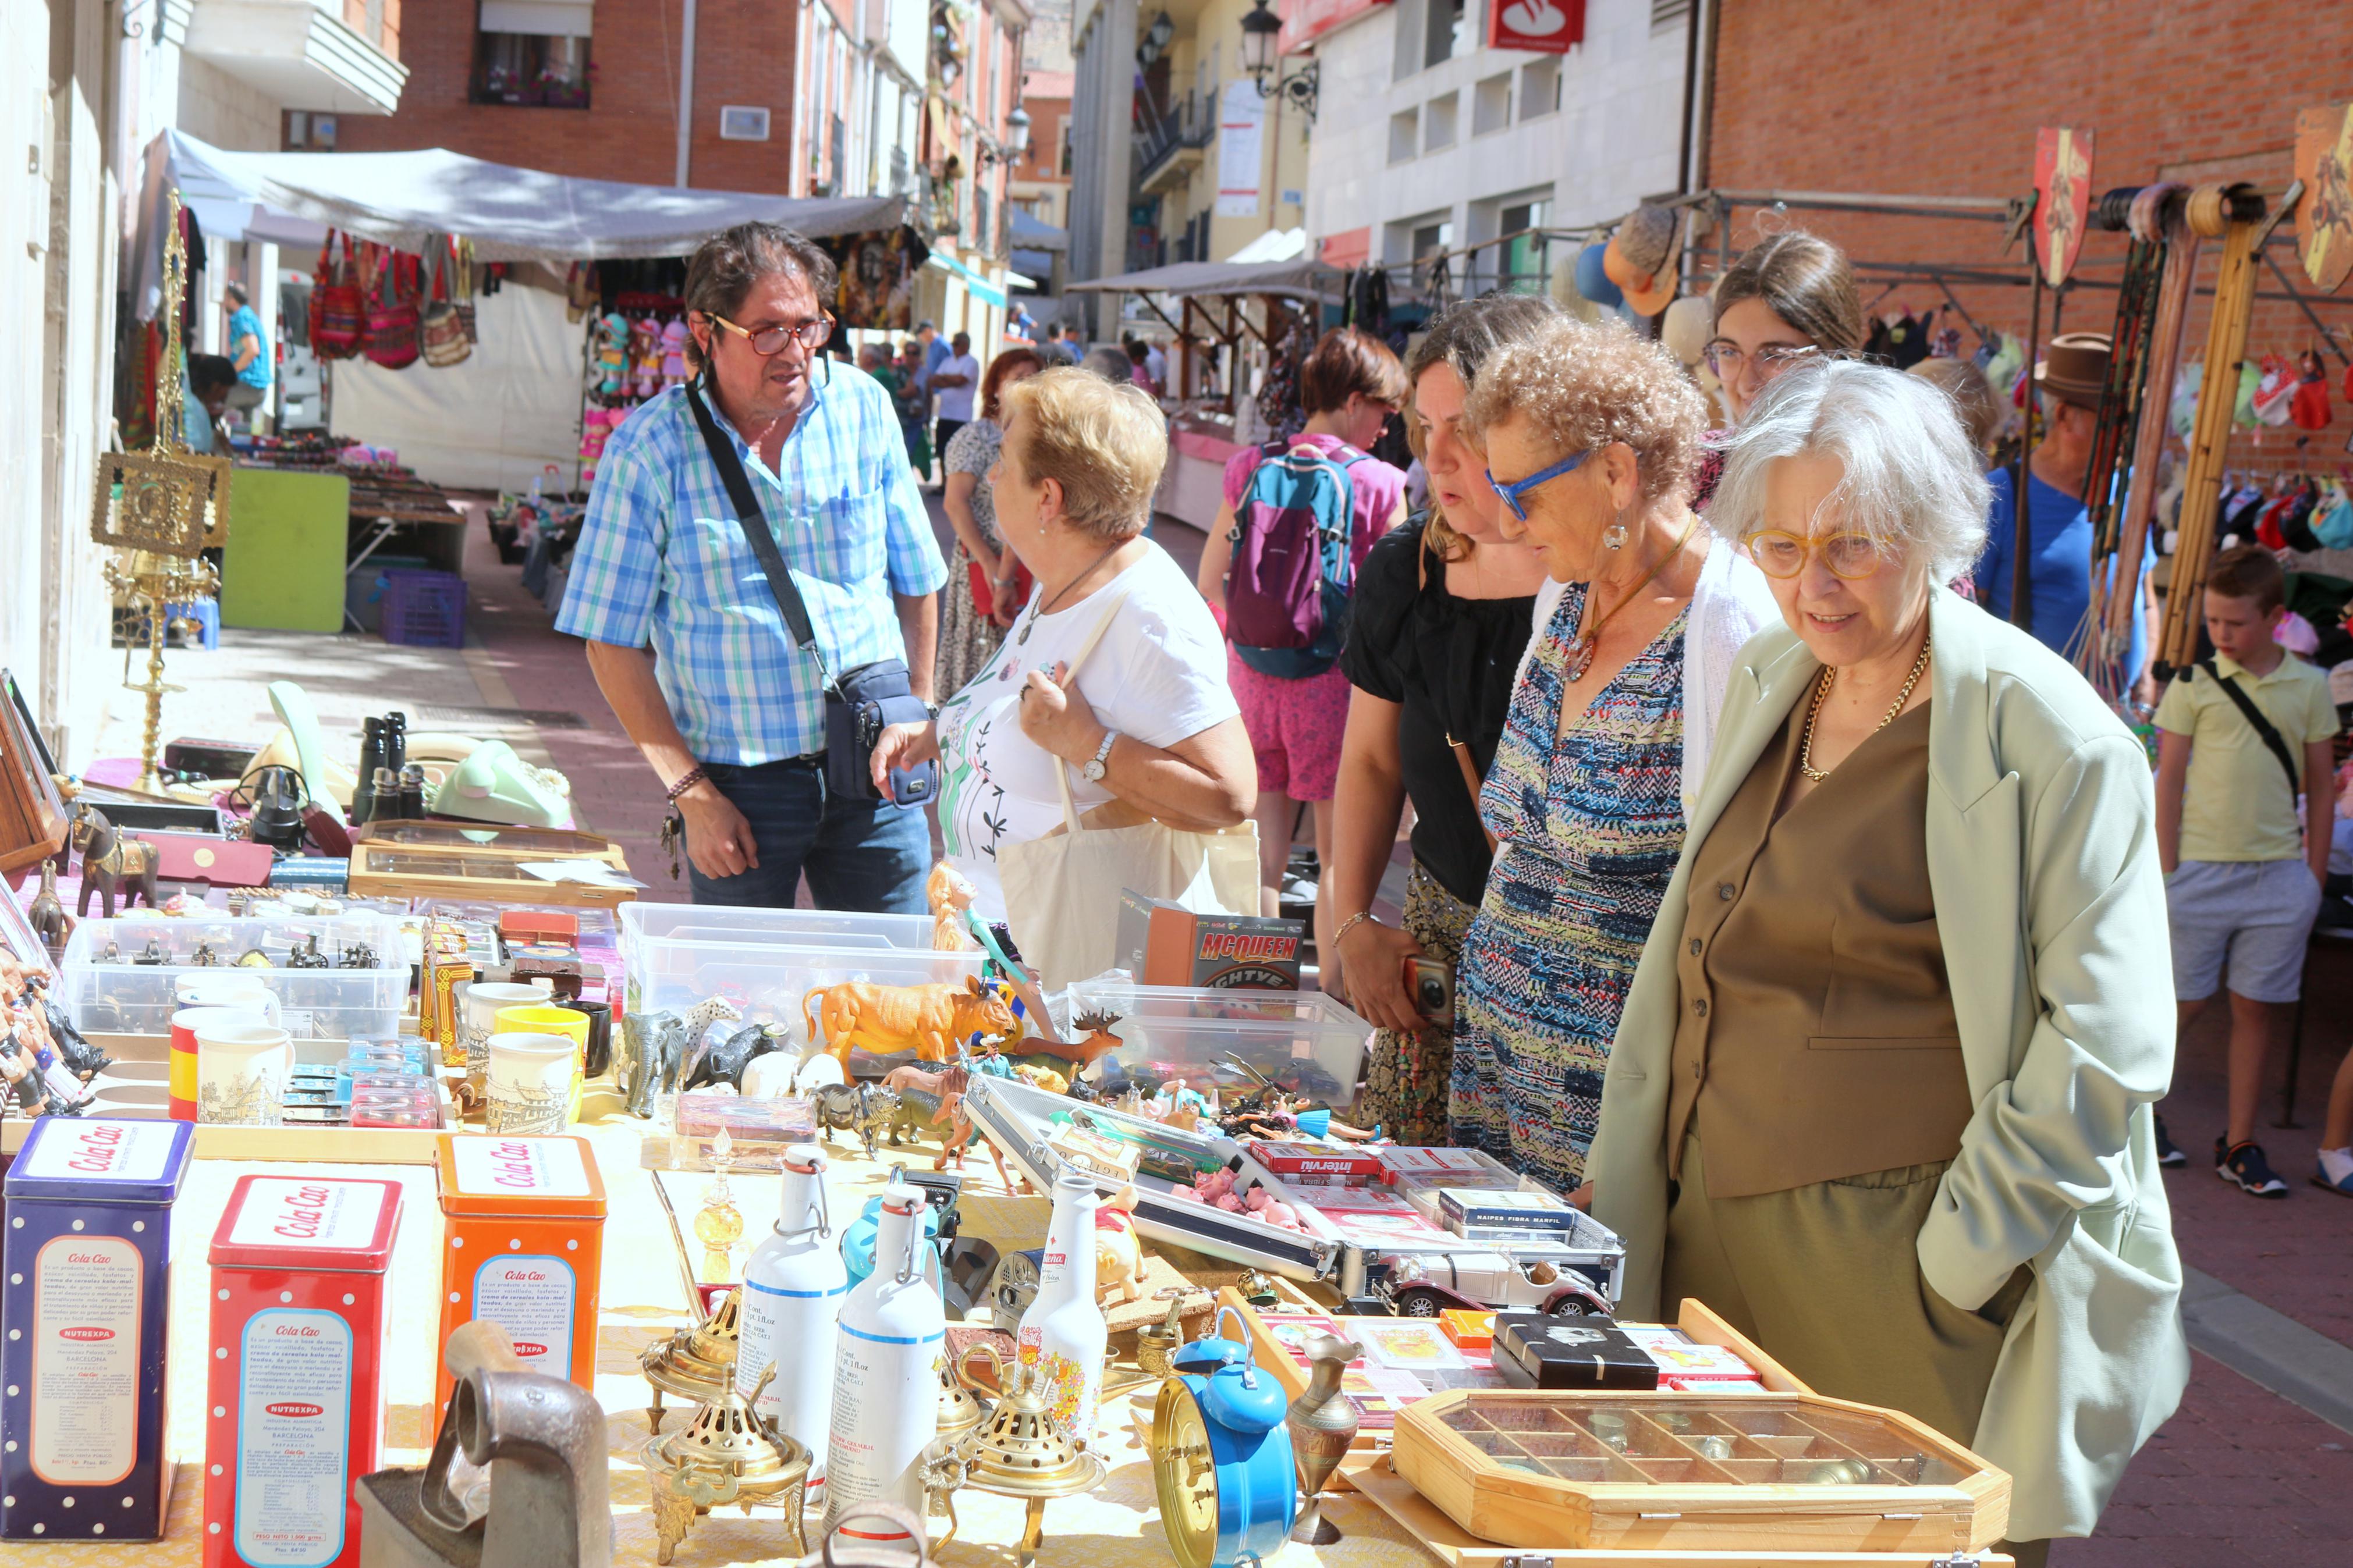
1642	258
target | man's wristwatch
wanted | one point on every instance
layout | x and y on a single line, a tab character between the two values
1093	771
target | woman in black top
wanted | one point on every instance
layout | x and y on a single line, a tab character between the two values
1437	622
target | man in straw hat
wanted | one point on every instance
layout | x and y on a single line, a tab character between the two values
2069	383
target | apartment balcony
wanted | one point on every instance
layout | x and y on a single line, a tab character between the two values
304	54
1168	152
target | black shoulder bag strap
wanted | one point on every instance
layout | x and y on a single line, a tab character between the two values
756	529
2264	727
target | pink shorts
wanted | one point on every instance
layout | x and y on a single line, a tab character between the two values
1295	727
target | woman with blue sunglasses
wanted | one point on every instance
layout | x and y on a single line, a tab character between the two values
1591	437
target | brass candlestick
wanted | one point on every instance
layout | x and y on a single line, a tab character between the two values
726	1455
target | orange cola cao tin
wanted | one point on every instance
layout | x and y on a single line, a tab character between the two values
522	1241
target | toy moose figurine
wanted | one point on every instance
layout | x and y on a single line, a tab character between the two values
111	864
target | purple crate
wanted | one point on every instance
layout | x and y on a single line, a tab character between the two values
424	608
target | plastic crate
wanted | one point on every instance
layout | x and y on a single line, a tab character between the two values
1304	1041
424	608
766	961
124	997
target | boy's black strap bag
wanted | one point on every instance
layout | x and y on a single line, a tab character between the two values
2264	727
859	702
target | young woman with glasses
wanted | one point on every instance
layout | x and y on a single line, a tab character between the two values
1788	299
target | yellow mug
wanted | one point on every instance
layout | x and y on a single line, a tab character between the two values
545	1019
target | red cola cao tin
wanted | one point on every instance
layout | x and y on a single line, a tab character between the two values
88	1270
295	1407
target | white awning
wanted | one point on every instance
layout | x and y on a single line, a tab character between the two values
403	199
1203	279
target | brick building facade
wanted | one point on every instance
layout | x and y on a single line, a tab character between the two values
744	55
1858	96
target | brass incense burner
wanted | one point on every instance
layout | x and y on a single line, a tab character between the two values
695	1364
1021	1451
1156	1343
726	1455
961	1410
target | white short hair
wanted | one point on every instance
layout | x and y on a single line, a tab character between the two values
1912	481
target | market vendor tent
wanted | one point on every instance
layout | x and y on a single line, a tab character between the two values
514	405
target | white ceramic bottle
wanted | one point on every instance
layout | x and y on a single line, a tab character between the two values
886	1381
1063	1334
793	1290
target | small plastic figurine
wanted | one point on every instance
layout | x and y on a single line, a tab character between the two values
204	957
1119	1256
308	955
927	1019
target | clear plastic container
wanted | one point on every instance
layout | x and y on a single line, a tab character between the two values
1302	1041
771	983
117	996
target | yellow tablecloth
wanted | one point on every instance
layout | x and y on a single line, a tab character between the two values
643	1299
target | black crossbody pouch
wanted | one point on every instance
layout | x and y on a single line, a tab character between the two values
859	702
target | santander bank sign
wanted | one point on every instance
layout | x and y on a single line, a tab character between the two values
1536	27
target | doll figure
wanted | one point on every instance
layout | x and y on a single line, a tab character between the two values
645	357
612	354
673	353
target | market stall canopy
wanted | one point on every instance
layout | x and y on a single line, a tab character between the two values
1028	233
404	199
1301	278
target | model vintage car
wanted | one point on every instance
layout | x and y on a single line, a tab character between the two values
1422	1285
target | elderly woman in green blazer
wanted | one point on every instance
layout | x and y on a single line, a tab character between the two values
1880	1093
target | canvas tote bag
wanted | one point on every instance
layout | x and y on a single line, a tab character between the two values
1062	891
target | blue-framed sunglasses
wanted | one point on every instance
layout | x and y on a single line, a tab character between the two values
1518	487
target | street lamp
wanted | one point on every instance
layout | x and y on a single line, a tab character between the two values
1260	30
1017	133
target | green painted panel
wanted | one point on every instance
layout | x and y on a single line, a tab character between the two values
283	567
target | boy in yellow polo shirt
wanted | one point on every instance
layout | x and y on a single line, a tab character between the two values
2241	738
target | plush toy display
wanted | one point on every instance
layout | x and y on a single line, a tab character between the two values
613	355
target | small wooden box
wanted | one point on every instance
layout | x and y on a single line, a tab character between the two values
1696	1472
483	874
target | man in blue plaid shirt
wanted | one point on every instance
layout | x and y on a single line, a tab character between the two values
685	638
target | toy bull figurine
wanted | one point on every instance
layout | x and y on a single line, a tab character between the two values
927	1019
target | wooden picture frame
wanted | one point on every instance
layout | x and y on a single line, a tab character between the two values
33	817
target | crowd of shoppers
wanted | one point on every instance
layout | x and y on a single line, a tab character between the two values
1801	914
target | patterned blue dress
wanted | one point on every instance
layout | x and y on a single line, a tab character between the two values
1592	821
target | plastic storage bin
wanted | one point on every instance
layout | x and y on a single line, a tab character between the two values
1304	1041
423	609
767	962
123	997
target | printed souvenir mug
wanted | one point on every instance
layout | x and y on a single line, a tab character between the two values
532	1080
543	1018
241	1069
180	1088
477	1020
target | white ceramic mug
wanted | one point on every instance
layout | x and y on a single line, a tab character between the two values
529	1083
241	1069
477	1017
229	988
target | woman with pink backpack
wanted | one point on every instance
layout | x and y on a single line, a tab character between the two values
1280	565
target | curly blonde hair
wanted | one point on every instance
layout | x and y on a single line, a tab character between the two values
1582	387
1106	444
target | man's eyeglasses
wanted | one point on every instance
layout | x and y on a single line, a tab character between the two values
1783	555
1512	492
769	342
1727	358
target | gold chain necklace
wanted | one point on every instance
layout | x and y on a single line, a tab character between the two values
1806	741
1581	651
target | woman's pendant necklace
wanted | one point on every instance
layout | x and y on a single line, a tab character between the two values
1021	638
1589	641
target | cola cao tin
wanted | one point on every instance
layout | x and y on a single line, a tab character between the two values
523	1239
88	1266
295	1406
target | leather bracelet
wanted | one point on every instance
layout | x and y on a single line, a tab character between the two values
1351	923
686	781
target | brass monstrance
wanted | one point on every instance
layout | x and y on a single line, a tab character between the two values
161	509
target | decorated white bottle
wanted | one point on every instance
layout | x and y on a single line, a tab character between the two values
793	1286
886	1384
1062	1335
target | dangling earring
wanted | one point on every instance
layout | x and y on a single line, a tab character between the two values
1614	536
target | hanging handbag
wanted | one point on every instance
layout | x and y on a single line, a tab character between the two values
859	702
338	310
440	331
1062	891
391	340
462	296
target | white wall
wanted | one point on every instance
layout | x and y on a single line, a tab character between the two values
1614	139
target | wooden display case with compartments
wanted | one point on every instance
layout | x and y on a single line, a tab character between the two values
489	873
1784	1471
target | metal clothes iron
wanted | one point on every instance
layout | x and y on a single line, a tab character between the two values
542	1503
